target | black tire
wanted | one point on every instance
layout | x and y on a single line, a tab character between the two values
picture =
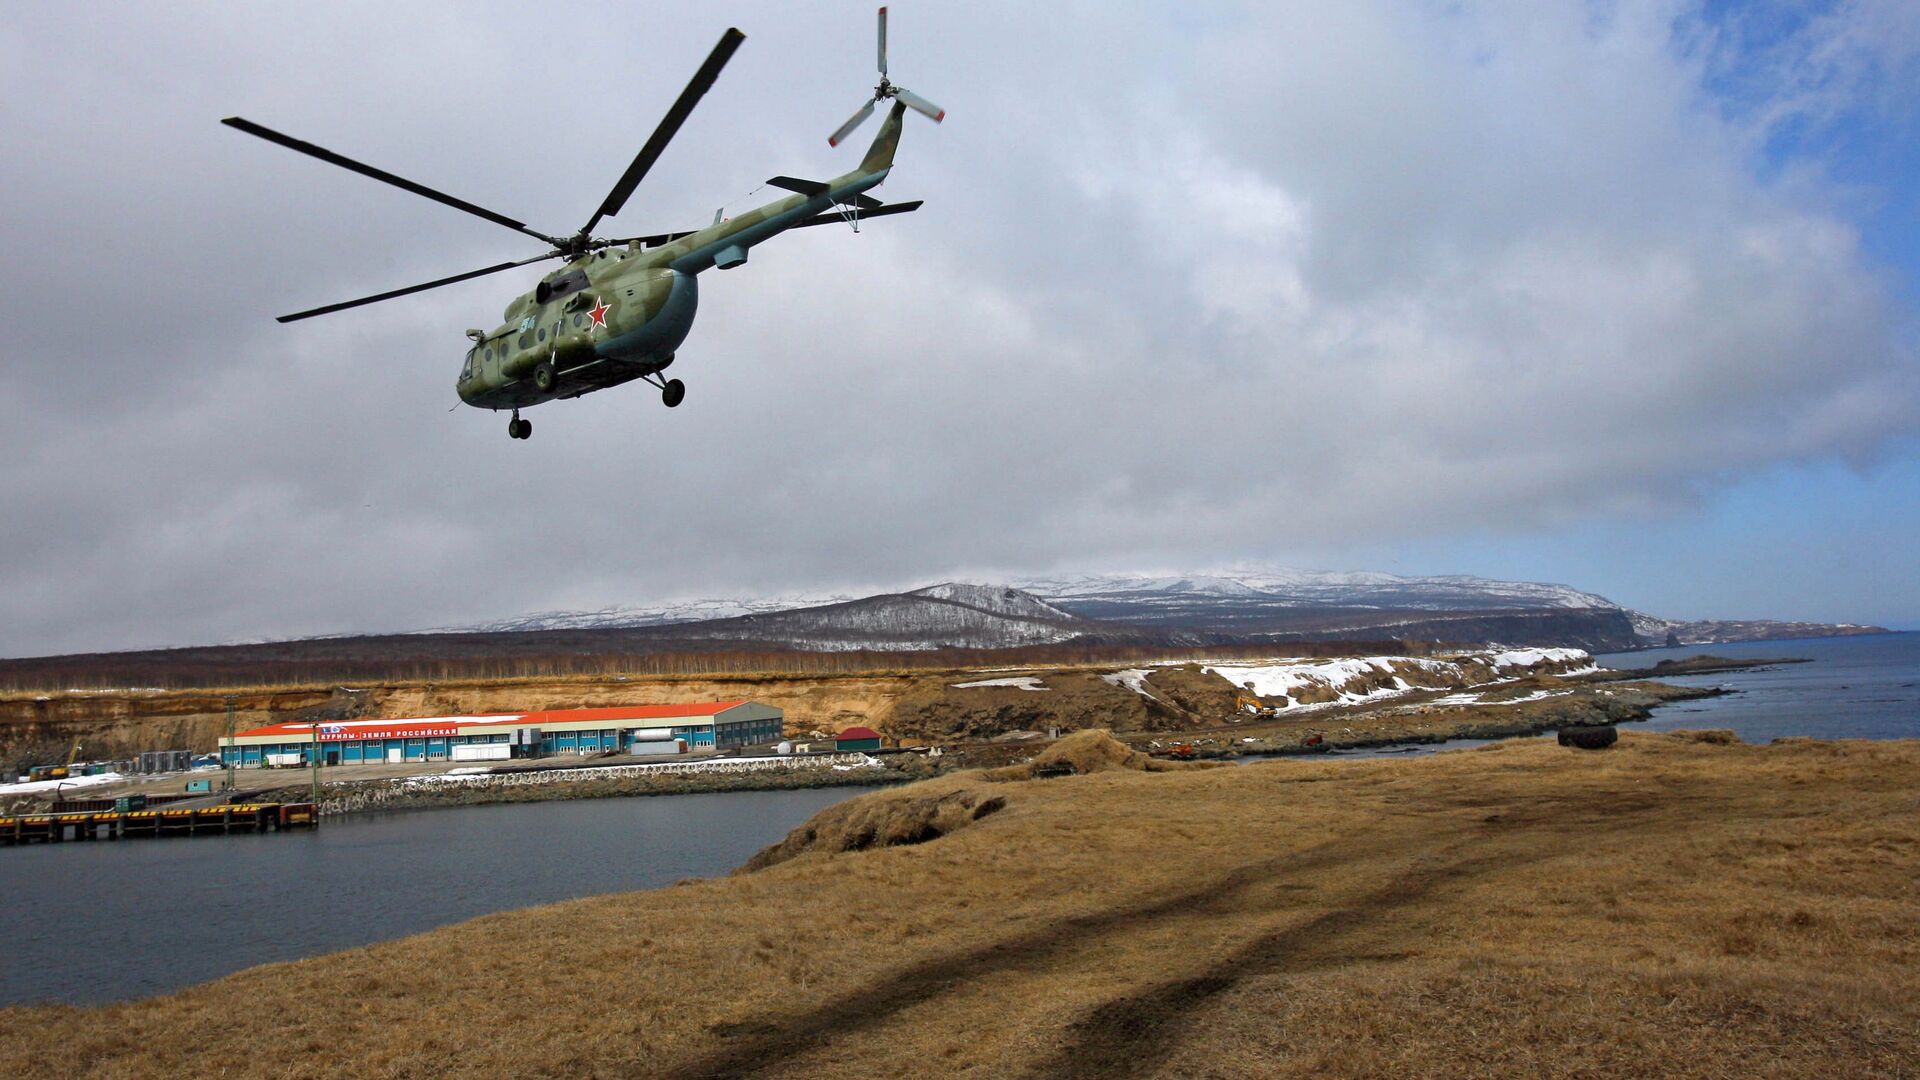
526	429
513	428
673	393
1589	738
543	377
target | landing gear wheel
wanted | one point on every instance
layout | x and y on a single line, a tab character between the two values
543	378
519	429
673	393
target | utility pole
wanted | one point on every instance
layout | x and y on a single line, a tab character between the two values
230	751
316	765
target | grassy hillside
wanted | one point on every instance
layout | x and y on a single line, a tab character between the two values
1673	906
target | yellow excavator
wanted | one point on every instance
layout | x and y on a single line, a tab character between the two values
1260	708
55	772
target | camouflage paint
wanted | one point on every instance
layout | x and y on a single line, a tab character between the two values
617	314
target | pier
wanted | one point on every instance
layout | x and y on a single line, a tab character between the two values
85	825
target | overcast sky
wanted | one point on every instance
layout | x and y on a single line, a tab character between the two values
1616	294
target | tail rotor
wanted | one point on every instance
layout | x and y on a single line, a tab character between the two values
886	90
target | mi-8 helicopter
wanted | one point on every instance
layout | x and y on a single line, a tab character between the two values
618	309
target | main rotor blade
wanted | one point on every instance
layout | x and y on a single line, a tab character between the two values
415	288
669	125
883	42
401	182
846	129
922	106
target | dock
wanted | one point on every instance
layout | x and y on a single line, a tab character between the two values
134	824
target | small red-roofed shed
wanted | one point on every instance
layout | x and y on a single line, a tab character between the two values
857	738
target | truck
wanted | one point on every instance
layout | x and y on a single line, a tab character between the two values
55	772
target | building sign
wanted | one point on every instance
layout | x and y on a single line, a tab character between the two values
334	733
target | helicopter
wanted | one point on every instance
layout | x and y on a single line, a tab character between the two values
617	309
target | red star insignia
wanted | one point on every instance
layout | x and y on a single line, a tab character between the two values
599	313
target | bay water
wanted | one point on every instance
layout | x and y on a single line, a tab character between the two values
107	920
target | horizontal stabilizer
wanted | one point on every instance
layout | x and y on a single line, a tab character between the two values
879	211
820	187
794	183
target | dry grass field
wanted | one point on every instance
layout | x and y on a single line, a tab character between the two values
1671	907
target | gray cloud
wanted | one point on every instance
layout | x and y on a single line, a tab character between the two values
1188	288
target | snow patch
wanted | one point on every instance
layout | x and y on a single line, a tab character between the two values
30	787
1337	676
1134	679
1529	658
1286	680
1022	682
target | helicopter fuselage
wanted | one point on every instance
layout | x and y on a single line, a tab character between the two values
616	314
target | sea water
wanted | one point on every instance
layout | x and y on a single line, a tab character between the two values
1865	687
105	920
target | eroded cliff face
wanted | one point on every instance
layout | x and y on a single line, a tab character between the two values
35	729
39	729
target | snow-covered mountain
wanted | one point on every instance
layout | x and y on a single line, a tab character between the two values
940	616
1237	604
995	598
666	614
1280	588
1066	596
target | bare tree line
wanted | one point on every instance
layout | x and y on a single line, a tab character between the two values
194	670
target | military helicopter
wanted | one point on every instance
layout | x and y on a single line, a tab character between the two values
617	309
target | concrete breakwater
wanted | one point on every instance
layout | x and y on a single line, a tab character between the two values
671	777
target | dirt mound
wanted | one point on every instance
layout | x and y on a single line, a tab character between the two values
1713	736
939	711
881	820
1090	752
1205	694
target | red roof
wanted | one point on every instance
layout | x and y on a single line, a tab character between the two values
416	726
858	733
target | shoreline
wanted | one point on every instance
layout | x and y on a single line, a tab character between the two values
1522	707
1489	722
402	796
1359	728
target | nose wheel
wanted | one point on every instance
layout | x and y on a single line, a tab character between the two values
672	391
518	428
